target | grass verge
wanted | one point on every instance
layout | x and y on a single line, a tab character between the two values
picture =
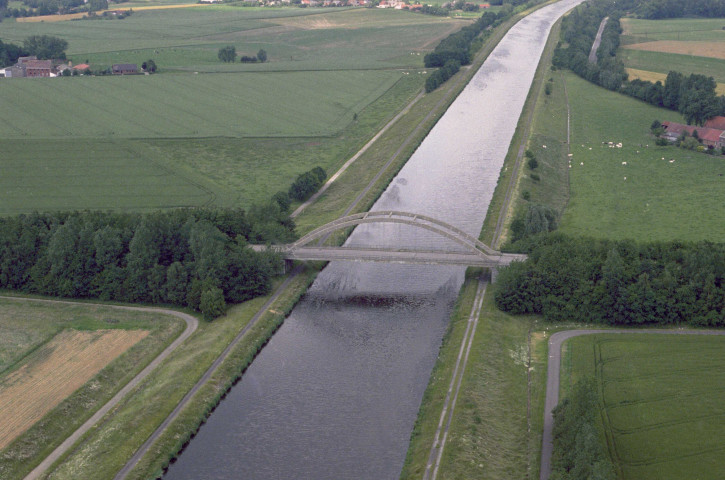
490	435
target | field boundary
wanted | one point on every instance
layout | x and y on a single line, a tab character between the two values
553	375
191	325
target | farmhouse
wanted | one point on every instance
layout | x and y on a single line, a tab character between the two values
30	67
712	137
124	68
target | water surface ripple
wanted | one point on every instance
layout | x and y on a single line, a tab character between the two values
335	393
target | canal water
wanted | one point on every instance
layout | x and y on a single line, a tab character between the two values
335	393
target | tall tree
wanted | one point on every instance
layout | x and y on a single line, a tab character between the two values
227	54
45	47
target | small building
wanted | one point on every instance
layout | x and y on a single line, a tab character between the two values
82	67
124	68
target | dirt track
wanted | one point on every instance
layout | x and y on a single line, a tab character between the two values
552	380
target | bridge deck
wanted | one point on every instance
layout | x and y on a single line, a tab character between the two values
427	257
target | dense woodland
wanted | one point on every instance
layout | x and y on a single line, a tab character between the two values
616	282
578	451
192	257
692	95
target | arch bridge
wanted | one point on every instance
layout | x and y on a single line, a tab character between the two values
475	253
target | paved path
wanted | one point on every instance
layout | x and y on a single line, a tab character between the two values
205	378
553	373
191	325
597	41
342	169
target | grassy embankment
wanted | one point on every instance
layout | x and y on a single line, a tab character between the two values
652	48
322	105
661	397
29	326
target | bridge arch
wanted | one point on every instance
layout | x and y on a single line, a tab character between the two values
420	221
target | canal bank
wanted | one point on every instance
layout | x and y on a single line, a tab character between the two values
336	391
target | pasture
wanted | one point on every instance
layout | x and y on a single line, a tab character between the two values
639	191
661	401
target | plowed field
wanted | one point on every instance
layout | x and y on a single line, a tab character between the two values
54	372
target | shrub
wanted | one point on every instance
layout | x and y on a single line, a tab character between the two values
532	163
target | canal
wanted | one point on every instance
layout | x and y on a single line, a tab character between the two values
335	393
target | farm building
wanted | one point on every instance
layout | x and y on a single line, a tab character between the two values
712	137
717	123
30	67
124	68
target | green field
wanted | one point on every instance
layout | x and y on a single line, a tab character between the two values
680	29
202	132
292	104
709	30
662	402
662	193
188	39
666	62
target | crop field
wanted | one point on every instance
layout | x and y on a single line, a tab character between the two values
661	398
55	371
66	350
292	104
660	77
683	45
66	175
295	39
639	190
203	132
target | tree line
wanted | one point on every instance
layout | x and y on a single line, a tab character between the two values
656	9
694	96
616	282
42	46
455	50
578	453
196	258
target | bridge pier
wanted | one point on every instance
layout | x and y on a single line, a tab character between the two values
494	274
288	265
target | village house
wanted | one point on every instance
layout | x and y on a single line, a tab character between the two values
124	68
711	137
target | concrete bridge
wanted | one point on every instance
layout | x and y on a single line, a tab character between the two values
475	254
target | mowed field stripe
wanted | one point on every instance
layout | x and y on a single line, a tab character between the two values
54	372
